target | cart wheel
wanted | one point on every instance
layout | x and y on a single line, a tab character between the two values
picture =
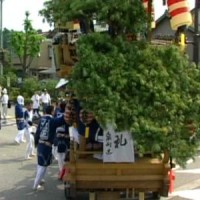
70	192
67	191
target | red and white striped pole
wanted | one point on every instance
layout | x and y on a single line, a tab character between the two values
180	13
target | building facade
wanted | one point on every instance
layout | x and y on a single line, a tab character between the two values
163	30
42	66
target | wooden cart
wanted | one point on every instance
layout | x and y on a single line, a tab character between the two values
112	180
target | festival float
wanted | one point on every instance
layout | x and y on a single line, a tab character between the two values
137	101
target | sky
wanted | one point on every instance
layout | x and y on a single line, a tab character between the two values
14	13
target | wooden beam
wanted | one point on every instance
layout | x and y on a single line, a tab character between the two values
117	178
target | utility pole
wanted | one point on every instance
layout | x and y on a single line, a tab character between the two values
1	37
196	44
149	31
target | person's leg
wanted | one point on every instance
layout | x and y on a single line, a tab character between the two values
61	157
60	162
22	136
19	136
43	108
32	149
38	112
40	173
54	152
28	147
4	109
34	111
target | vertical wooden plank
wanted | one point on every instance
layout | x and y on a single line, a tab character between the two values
75	149
82	145
133	193
141	195
127	193
92	196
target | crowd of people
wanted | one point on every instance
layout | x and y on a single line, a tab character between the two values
46	128
37	101
51	131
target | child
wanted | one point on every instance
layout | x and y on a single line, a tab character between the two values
62	140
28	115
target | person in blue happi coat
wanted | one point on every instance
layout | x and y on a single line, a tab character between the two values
19	116
61	141
59	111
44	138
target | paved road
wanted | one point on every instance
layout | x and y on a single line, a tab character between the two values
17	174
187	183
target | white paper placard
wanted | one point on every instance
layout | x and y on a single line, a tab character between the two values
118	146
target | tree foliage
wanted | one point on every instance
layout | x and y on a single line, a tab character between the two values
31	84
121	16
151	91
26	44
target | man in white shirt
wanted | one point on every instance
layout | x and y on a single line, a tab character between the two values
4	101
36	104
45	99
